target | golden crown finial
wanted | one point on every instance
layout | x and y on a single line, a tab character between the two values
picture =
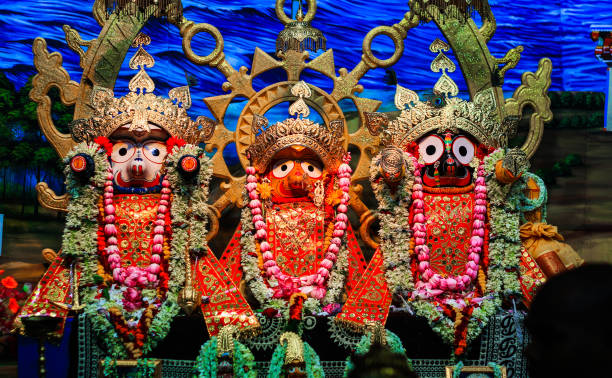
325	141
445	85
140	107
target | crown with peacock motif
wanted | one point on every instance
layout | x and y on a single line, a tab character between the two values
141	107
442	111
326	141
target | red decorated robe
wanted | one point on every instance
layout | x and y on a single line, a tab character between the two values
449	228
296	233
135	215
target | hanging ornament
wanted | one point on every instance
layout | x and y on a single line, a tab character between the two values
299	35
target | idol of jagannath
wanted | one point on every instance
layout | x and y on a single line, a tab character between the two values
134	248
452	197
294	235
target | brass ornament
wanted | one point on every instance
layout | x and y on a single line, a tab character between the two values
239	84
318	194
299	107
377	332
445	85
295	348
144	8
516	161
225	340
404	97
533	91
391	164
509	61
326	143
449	11
48	199
298	34
98	70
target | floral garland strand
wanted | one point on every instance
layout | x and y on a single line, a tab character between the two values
434	284
189	197
134	277
394	343
254	239
395	235
193	235
504	247
79	240
528	204
206	362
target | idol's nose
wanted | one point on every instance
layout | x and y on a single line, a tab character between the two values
296	179
137	167
449	167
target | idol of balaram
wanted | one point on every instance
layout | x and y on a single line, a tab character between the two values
134	247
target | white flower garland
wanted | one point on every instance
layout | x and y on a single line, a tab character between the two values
395	231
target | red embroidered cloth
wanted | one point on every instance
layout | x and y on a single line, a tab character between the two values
449	228
54	286
296	232
532	277
370	299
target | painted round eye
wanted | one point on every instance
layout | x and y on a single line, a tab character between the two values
154	151
282	168
463	149
431	149
312	168
122	151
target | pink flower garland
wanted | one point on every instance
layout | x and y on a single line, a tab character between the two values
313	285
433	284
135	278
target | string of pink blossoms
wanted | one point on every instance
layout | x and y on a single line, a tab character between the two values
313	285
433	284
133	277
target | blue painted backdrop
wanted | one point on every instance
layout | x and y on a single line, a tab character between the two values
554	28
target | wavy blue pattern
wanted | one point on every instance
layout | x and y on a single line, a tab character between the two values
559	30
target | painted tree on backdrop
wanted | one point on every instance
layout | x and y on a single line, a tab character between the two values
24	150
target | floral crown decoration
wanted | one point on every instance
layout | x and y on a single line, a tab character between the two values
141	107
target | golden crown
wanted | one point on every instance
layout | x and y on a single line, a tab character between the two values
325	141
478	118
141	107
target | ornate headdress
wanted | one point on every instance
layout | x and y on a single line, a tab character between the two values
141	107
479	117
326	141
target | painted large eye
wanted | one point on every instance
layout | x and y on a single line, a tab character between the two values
154	151
431	149
122	151
312	168
282	168
463	149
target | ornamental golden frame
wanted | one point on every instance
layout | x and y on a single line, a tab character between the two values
449	370
482	71
130	364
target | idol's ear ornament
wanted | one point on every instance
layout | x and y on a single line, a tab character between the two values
207	128
260	123
376	122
